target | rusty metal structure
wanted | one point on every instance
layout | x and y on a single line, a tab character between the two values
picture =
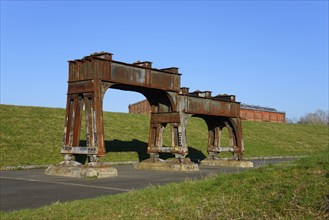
247	112
171	106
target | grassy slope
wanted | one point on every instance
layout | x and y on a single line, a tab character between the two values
32	135
297	190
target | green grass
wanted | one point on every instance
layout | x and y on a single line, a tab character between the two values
298	190
33	135
295	190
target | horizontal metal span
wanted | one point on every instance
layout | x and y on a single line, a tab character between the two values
81	87
132	75
124	73
165	118
79	150
204	106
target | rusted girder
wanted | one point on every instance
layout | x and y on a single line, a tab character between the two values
171	106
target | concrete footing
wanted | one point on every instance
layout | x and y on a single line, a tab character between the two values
169	165
227	163
75	169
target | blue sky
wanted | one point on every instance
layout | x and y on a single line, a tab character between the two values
268	53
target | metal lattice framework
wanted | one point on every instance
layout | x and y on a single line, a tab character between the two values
171	105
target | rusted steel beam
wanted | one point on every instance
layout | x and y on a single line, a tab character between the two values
77	87
165	118
208	106
138	74
145	77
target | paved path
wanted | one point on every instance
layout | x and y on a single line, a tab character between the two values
21	189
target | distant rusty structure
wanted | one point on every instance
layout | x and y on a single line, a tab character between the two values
171	105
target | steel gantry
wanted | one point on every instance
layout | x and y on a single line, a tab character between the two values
171	106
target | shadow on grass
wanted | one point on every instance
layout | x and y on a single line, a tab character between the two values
128	146
140	147
119	146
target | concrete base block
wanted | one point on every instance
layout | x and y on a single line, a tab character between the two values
227	163
170	165
75	169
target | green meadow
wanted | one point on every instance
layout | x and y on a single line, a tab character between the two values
33	136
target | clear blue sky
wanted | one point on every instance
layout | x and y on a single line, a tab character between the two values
268	53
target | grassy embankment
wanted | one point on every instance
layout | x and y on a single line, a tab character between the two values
296	190
32	135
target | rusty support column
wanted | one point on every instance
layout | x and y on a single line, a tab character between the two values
232	136
69	119
98	114
214	141
178	140
177	124
178	136
235	144
215	126
93	103
237	132
72	126
89	120
78	106
155	138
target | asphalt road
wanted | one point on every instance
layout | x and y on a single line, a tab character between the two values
21	189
